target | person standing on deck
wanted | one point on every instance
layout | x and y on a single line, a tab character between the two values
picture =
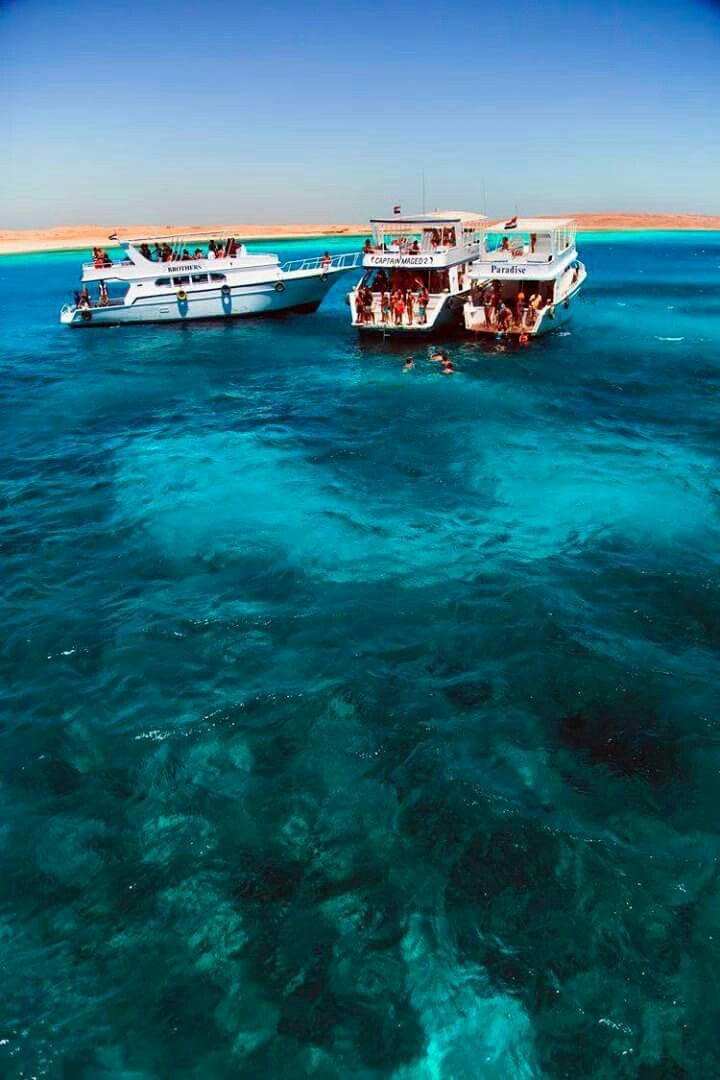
520	307
489	305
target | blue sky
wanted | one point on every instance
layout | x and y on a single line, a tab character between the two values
201	112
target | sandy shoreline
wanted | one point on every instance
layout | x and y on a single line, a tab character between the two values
22	241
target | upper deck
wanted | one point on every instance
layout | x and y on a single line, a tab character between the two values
438	239
538	248
149	256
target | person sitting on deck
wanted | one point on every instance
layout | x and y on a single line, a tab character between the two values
198	253
505	245
415	248
231	249
145	252
367	247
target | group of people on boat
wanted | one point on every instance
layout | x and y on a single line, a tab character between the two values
406	306
517	312
406	245
83	300
165	253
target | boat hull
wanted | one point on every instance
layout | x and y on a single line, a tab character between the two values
301	292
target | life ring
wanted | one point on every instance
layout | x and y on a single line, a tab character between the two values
181	295
279	286
225	290
86	315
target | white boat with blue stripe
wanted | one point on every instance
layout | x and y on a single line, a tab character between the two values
177	279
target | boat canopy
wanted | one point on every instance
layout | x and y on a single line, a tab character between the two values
435	219
530	225
170	238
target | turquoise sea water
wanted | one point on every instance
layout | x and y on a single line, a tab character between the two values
358	723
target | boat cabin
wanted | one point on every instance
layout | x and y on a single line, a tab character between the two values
440	238
533	251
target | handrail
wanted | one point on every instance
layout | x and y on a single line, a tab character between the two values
347	261
109	265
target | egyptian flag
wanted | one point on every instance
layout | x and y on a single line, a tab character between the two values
397	209
511	224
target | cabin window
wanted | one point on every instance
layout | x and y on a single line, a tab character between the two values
217	277
182	280
162	281
199	278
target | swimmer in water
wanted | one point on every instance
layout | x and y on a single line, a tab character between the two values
447	366
438	355
409	364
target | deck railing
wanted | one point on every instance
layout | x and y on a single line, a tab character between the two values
108	265
348	261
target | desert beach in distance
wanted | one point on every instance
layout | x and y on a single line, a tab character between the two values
69	237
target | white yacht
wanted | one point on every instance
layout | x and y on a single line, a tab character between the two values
416	272
525	278
158	279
